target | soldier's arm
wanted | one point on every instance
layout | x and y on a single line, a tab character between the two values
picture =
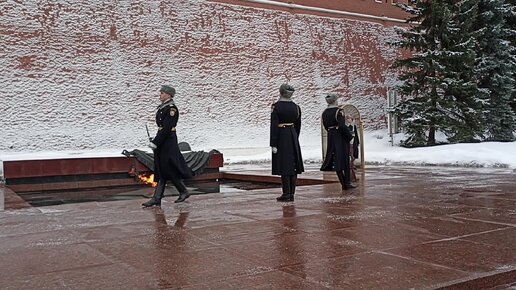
297	123
274	127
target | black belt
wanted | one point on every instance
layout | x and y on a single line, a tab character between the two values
172	130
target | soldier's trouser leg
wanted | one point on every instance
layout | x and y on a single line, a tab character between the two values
347	171
342	178
285	186
158	194
293	179
183	192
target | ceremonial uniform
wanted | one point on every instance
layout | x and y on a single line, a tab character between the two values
169	163
337	150
284	139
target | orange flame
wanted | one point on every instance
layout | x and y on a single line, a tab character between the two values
148	180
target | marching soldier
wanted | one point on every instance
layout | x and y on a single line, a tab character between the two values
339	137
284	142
169	163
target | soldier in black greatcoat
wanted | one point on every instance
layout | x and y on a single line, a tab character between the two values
339	137
169	163
286	152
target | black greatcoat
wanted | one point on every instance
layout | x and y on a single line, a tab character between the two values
169	163
288	159
339	136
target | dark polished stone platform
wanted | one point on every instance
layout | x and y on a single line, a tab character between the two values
403	228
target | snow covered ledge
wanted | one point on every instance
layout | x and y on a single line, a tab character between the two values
325	10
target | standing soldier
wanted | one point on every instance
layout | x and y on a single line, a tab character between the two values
286	152
339	136
169	163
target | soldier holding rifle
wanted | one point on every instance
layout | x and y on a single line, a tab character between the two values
339	137
169	163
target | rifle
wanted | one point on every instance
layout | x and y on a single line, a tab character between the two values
147	128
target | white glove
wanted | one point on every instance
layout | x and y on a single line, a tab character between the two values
274	150
152	146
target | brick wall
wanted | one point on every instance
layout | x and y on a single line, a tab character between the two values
86	76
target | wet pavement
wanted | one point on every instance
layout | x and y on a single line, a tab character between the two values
403	228
102	194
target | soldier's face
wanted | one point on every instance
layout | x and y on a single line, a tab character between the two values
164	96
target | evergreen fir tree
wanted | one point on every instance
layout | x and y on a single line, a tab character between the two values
421	72
438	78
511	26
495	69
465	119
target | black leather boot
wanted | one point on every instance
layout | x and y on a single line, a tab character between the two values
183	192
285	197
182	197
158	195
342	181
347	179
285	185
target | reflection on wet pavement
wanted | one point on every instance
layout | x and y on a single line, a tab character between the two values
56	197
402	228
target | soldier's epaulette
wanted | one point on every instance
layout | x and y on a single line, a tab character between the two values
169	106
272	107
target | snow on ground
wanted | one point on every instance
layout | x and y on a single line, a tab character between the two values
378	150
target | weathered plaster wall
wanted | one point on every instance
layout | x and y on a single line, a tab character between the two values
86	75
